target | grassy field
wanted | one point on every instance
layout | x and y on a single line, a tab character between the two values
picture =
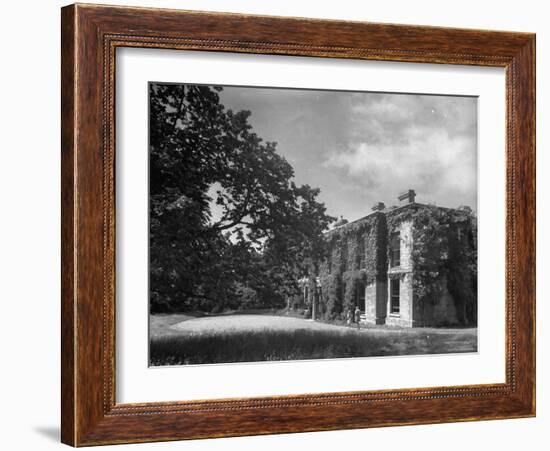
185	339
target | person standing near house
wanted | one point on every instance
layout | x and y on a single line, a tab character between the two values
358	317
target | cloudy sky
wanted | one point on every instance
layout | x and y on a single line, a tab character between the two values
361	148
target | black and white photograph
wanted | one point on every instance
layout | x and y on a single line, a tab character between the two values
299	224
241	225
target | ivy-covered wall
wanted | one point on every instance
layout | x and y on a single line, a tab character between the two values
441	266
356	257
444	262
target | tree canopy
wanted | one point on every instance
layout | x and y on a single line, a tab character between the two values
228	225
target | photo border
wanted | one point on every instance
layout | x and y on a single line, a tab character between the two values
136	383
90	36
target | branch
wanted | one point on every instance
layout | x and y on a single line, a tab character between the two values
233	224
179	110
243	212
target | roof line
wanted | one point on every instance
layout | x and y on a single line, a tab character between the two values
387	211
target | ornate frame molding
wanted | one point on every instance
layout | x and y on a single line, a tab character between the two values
90	36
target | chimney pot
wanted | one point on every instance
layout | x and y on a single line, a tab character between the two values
378	206
407	197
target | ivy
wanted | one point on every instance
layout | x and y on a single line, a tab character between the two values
444	255
355	255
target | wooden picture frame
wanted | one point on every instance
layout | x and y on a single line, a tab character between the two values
90	36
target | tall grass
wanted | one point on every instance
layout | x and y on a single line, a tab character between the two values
298	344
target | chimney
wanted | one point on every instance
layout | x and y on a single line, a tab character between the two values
378	206
407	197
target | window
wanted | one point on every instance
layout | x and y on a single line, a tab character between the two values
360	296
395	249
394	296
360	251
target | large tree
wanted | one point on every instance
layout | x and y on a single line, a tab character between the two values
225	215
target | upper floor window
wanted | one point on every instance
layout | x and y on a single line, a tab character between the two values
395	249
360	255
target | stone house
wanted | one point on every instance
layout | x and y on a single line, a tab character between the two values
409	265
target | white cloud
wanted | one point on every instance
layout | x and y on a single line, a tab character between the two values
440	168
363	147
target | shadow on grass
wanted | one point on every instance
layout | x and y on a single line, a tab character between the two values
299	344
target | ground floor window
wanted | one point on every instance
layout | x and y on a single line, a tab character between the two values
394	296
360	296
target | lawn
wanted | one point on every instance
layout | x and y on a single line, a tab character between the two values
186	339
